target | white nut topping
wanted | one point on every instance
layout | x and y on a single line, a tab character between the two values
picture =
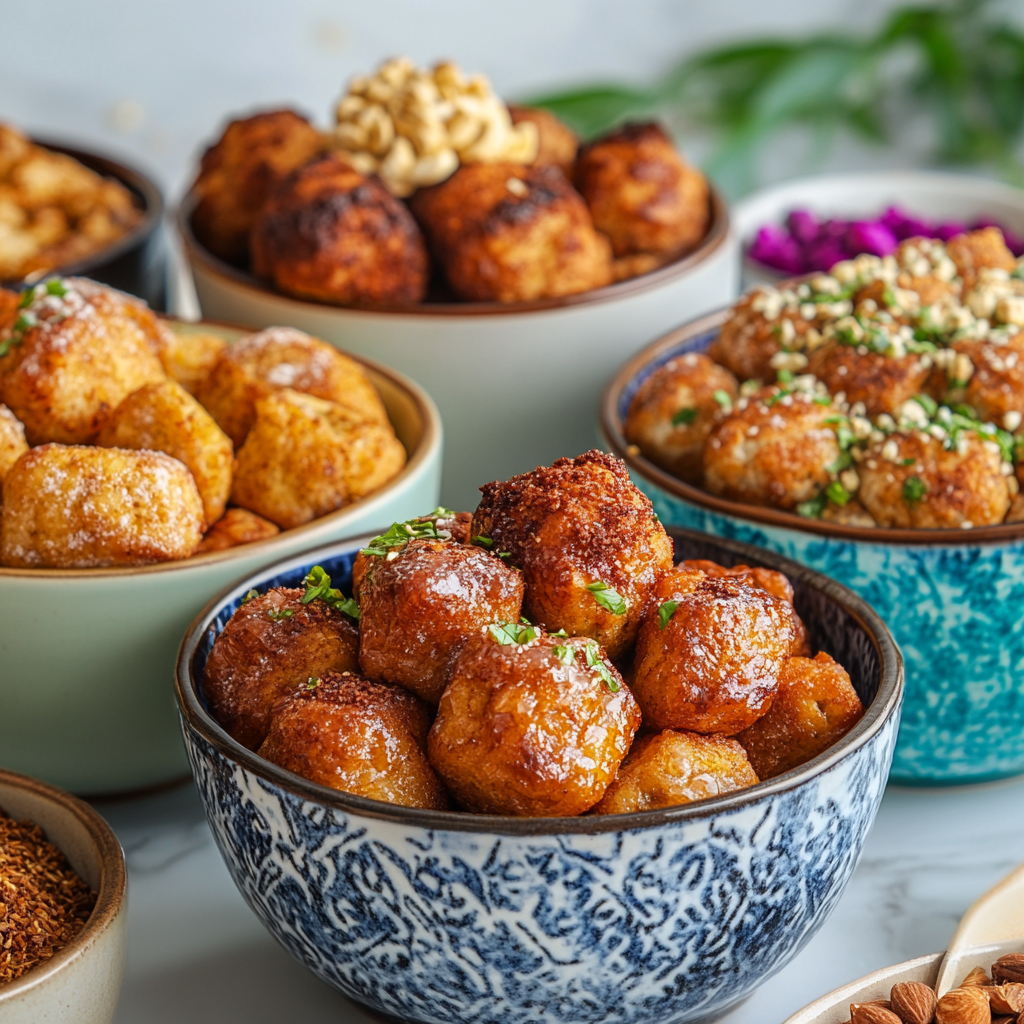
1011	421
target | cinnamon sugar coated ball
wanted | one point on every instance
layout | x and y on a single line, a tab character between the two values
188	356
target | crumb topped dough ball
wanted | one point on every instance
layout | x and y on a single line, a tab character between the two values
271	645
815	707
12	441
910	479
82	508
508	233
348	733
709	652
76	350
979	250
674	767
774	448
331	234
674	410
421	602
994	375
241	169
189	356
305	457
587	542
641	192
237	526
533	729
165	418
556	141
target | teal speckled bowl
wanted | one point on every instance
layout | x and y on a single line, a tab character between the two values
954	599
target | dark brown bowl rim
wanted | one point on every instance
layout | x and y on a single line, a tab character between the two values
136	181
611	425
883	706
432	436
714	238
110	895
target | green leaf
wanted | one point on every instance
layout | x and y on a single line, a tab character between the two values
723	398
685	417
837	494
812	509
566	655
930	406
509	633
596	662
318	585
277	616
311	683
250	596
914	489
665	612
483	542
610	600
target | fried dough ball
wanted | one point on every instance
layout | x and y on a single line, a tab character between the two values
89	348
258	364
271	645
241	169
574	529
165	418
507	233
714	666
905	301
12	441
911	480
533	729
672	768
237	526
82	508
419	607
996	384
772	450
815	707
189	356
305	457
331	234
348	733
557	142
978	250
641	192
673	411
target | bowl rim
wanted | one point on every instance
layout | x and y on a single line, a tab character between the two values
612	428
430	441
714	238
110	895
886	702
131	177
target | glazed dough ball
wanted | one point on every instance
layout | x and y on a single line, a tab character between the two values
262	363
574	529
84	508
673	411
713	667
420	603
672	768
348	733
305	457
271	645
772	449
815	707
165	418
557	142
979	250
237	526
508	233
330	234
239	172
12	441
89	348
911	480
641	192
531	729
189	356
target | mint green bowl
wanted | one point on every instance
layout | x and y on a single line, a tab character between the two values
87	655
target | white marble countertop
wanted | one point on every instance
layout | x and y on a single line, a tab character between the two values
197	954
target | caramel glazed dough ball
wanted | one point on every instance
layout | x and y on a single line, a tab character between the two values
587	541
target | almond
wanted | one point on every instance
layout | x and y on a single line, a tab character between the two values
1009	968
976	977
913	1002
963	1006
873	1013
1007	998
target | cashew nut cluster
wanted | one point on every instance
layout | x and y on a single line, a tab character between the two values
413	127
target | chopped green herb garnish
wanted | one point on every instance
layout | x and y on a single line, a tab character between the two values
566	655
596	662
722	398
822	400
607	598
908	462
665	612
284	613
836	466
312	684
785	376
318	584
684	417
483	542
837	493
561	632
55	286
252	595
400	534
508	633
504	554
927	403
524	620
812	509
914	489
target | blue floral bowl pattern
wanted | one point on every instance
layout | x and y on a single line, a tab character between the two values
670	915
954	599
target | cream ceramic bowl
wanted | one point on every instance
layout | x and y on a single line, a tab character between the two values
80	984
87	655
517	385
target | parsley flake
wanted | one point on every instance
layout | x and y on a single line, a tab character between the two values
566	655
837	494
914	489
251	596
665	612
723	399
312	684
318	585
399	534
607	598
596	662
685	417
812	509
509	633
483	542
284	613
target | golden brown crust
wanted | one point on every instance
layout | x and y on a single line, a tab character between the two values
996	386
675	767
189	356
237	526
533	240
12	441
881	382
556	141
577	523
978	250
815	707
641	192
8	308
673	411
330	234
520	732
269	647
241	169
419	607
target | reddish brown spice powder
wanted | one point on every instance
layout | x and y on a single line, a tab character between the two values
43	903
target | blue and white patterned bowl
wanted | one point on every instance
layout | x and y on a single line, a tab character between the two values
669	915
953	598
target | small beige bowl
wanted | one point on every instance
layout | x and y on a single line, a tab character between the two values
82	983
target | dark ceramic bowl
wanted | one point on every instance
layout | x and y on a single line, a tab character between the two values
661	916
